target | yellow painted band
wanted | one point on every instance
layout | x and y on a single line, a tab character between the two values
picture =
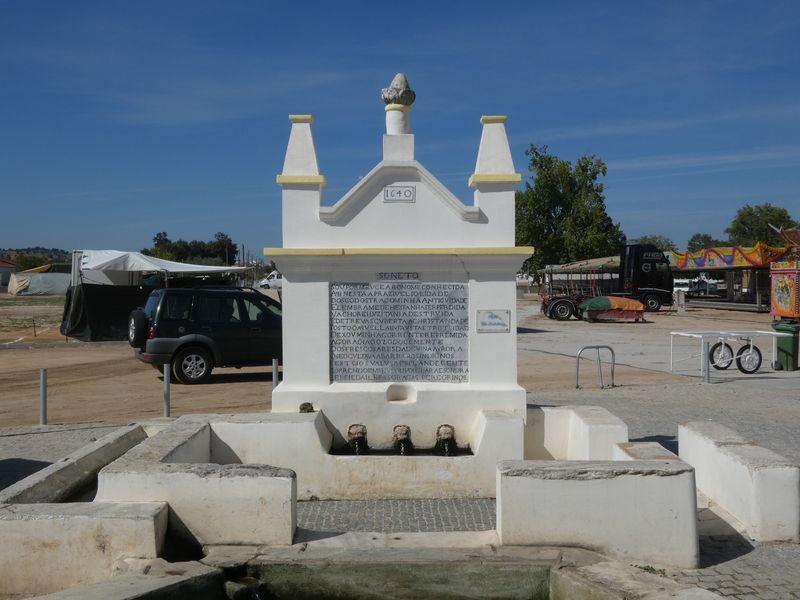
301	179
490	250
487	119
494	178
400	107
303	251
301	118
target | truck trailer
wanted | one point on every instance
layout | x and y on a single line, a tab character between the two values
641	272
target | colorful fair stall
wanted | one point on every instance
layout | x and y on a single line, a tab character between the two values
785	300
759	256
745	269
785	274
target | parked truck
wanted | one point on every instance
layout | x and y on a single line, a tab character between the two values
641	272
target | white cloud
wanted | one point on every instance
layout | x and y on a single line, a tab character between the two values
676	161
639	126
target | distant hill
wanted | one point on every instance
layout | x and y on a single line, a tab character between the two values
49	255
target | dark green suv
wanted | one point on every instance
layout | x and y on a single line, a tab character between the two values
198	329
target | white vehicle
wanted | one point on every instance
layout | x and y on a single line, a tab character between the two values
704	287
681	284
273	280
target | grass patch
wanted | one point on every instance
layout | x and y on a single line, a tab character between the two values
31	301
24	322
22	313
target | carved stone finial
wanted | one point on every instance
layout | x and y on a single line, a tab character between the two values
398	92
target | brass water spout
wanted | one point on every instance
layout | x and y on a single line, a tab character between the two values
401	439
357	438
446	439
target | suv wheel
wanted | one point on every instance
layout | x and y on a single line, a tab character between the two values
192	365
137	328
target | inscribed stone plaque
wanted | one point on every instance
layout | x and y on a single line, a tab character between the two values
399	331
493	321
400	193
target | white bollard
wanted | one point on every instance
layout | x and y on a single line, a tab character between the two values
680	297
166	389
42	396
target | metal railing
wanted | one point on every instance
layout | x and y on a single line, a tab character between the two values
599	365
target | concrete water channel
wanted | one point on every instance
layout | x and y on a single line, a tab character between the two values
316	564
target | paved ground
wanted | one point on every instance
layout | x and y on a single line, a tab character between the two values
764	407
765	572
392	516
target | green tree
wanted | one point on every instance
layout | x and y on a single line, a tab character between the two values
563	213
180	250
698	241
162	247
220	252
224	248
161	240
752	224
661	242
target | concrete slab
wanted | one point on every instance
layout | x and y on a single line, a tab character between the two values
643	451
60	480
217	503
759	487
572	433
79	543
615	507
152	580
25	450
615	581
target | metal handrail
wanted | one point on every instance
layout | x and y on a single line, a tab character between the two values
599	365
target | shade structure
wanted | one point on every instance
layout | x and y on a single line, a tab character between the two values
118	260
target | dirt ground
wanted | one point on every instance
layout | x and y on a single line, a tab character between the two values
102	382
34	318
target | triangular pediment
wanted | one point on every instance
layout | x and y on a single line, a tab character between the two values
393	182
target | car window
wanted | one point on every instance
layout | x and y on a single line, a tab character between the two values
151	305
260	310
218	309
176	307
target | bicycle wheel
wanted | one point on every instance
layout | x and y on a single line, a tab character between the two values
748	359
720	356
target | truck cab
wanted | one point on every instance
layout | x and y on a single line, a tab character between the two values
645	275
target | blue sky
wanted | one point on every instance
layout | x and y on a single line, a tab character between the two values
122	119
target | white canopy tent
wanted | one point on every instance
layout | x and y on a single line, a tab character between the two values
108	284
108	266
